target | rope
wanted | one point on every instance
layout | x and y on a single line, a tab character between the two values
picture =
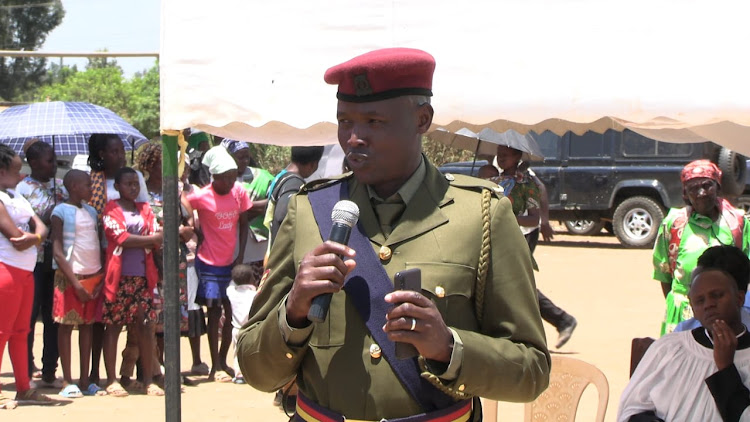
482	268
484	257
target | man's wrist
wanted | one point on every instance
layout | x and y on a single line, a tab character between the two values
294	320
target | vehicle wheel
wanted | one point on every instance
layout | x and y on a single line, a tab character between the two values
733	168
584	227
636	221
743	203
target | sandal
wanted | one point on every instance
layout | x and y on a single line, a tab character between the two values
94	390
32	397
7	402
221	376
153	390
116	390
71	391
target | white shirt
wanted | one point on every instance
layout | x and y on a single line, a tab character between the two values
113	194
20	212
670	380
241	297
86	257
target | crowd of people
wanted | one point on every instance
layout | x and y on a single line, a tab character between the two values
85	252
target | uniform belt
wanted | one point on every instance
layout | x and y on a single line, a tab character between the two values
309	411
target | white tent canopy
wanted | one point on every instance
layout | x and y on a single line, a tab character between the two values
671	70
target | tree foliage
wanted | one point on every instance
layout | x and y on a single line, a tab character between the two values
274	158
102	83
144	104
24	25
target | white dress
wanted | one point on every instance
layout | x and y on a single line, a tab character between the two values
670	380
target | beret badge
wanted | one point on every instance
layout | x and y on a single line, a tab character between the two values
362	85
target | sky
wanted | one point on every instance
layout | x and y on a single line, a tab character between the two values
114	25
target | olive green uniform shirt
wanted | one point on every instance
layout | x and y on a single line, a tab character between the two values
440	231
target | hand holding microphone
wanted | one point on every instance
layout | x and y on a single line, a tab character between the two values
322	271
344	215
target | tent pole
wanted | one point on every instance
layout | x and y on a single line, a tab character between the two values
54	177
172	379
476	151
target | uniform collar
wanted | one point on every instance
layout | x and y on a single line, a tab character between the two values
408	189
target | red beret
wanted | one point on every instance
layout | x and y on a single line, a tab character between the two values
383	74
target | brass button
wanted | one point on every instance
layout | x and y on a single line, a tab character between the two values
375	351
461	387
449	177
385	253
439	291
289	356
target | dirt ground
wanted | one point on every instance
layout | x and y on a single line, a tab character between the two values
606	287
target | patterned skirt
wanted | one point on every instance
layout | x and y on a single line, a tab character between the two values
67	309
132	298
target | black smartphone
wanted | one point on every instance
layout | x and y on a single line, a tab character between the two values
410	279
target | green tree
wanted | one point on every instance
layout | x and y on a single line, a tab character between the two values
103	84
144	104
24	25
100	86
101	62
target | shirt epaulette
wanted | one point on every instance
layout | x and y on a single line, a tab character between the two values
324	183
473	183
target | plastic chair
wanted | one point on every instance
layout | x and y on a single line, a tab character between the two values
559	402
638	348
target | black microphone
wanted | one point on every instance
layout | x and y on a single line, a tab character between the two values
344	215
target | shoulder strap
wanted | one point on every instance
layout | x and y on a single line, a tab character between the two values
735	220
366	286
738	233
278	190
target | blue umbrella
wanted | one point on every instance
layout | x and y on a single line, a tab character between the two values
65	125
530	150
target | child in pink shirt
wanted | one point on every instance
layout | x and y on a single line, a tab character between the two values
221	208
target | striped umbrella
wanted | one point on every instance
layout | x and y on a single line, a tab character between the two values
65	125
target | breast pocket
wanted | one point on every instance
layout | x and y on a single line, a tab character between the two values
331	332
450	287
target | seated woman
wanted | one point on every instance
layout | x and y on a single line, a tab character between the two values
701	374
735	262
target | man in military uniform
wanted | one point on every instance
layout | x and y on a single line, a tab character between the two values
475	324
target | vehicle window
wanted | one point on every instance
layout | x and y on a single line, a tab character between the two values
589	145
549	143
637	145
675	150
